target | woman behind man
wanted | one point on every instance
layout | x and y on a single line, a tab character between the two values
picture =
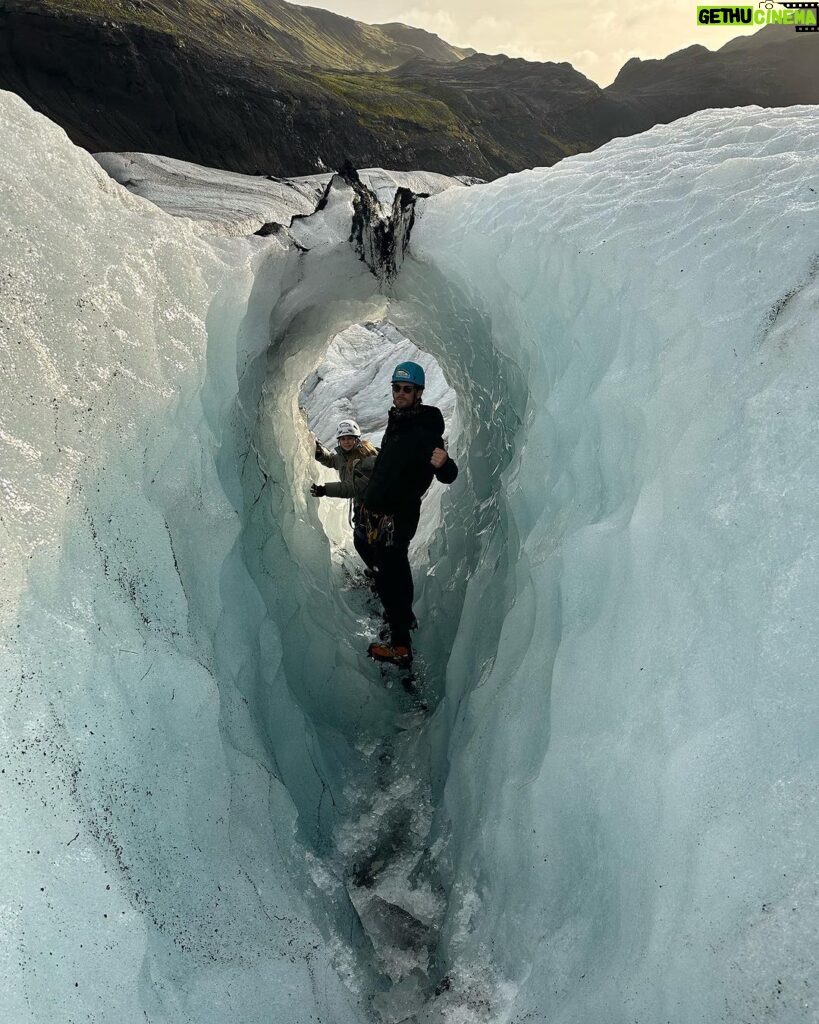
353	459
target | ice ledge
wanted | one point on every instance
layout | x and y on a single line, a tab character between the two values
227	203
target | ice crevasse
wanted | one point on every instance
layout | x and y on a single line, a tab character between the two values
618	604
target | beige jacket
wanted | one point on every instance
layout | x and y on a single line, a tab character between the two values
354	469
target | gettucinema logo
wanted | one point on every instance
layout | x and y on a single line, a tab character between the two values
803	16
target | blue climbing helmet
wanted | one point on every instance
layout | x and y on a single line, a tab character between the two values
409	373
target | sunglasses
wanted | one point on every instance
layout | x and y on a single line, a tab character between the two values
407	389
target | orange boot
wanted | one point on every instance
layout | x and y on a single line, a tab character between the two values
398	654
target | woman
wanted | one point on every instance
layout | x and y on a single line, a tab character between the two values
354	459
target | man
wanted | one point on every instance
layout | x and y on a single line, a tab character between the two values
412	453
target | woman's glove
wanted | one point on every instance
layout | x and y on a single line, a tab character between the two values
318	490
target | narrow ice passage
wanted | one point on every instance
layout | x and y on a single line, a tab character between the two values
207	789
366	795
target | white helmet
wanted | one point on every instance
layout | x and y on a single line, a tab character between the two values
348	428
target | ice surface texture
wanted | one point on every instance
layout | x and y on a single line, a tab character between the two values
228	203
152	870
619	608
632	778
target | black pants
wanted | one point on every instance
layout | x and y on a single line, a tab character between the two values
393	578
365	550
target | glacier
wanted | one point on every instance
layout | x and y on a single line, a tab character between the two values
228	203
214	808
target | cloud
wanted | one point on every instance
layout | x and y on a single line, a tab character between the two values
502	35
488	23
440	22
584	59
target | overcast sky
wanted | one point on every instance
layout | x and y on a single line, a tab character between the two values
596	36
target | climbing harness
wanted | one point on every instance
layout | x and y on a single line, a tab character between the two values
377	529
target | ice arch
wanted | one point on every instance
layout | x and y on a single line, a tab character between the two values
299	337
623	766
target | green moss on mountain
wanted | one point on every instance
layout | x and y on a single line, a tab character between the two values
375	96
143	15
265	31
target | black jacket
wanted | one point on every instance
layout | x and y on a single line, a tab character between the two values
402	471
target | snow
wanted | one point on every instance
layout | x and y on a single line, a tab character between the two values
214	808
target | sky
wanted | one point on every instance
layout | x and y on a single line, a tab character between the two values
596	36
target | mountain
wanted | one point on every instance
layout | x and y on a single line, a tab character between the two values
267	87
427	43
775	67
258	30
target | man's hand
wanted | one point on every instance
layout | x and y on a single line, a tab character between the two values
318	447
318	490
439	457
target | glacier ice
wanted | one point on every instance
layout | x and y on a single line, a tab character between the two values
632	763
157	868
213	807
228	203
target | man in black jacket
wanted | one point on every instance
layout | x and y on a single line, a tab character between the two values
412	453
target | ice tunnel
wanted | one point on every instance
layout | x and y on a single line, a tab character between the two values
351	382
214	808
